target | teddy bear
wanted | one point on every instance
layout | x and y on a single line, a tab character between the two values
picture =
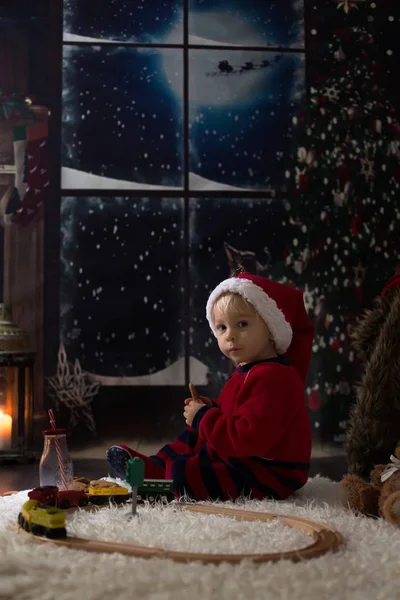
380	497
373	428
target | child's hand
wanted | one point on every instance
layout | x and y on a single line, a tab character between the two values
203	399
191	409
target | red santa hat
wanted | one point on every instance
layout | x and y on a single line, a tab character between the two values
281	307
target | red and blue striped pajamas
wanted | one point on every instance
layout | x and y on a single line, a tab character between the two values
255	439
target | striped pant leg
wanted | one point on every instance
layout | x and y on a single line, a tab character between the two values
204	476
184	444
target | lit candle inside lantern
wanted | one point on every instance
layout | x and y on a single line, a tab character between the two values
5	431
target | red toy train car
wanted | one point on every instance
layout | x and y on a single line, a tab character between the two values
52	496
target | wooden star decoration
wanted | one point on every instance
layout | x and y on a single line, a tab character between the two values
347	5
367	168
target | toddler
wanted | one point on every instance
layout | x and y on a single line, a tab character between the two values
255	438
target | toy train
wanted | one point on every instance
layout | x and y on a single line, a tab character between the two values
156	490
51	495
102	495
43	514
48	521
152	490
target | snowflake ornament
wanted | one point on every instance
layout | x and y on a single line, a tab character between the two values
306	157
73	387
309	299
332	93
367	168
341	198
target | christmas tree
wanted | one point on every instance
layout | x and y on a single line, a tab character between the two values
344	213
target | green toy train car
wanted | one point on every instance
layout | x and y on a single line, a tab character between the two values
156	490
152	490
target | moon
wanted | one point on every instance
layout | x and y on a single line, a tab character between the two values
206	89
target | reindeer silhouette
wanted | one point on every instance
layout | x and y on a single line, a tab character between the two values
248	66
225	67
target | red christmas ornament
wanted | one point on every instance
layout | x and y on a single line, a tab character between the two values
314	400
335	345
355	222
303	182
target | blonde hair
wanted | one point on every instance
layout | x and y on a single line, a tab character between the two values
231	303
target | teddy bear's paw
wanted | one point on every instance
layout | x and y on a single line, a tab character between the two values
391	509
347	495
359	496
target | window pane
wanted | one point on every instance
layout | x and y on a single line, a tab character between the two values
247	22
224	231
121	288
122	118
131	21
241	108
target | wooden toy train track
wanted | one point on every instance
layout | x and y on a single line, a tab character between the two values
325	539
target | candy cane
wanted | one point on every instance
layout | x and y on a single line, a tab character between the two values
58	450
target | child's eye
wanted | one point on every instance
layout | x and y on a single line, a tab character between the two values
243	323
220	327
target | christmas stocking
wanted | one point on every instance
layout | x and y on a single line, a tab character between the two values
37	174
14	204
32	178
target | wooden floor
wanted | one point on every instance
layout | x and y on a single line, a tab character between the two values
24	477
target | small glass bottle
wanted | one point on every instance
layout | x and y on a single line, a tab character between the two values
49	467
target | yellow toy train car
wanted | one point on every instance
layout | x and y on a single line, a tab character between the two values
105	493
47	521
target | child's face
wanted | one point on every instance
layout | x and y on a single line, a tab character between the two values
243	337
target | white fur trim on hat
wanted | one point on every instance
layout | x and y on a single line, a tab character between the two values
266	307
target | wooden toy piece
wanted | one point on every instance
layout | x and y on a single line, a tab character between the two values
193	393
135	478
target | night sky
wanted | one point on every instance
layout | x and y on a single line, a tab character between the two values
141	21
249	22
121	283
241	122
120	116
243	22
123	115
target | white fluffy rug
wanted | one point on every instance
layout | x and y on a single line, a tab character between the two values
366	567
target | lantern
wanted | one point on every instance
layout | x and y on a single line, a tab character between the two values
16	392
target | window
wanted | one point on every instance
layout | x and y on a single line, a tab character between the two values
176	136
